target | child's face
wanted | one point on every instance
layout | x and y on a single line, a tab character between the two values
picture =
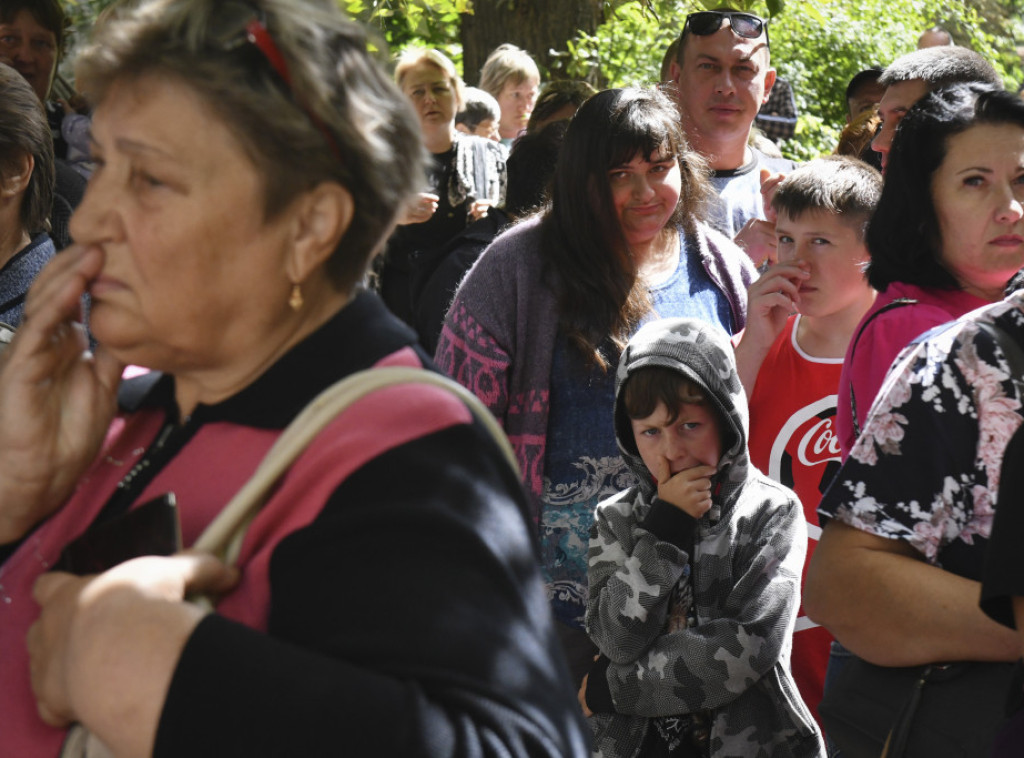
488	129
692	439
835	256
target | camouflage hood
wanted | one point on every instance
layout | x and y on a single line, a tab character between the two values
704	355
730	656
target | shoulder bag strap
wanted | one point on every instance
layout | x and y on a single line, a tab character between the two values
897	303
223	536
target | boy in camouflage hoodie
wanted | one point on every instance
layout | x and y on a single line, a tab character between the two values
694	573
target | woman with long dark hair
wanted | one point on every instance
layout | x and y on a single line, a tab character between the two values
537	326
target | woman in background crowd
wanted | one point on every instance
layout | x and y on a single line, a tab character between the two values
537	325
26	181
896	575
465	178
558	102
512	77
942	241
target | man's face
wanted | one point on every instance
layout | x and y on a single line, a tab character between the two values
897	100
31	49
722	83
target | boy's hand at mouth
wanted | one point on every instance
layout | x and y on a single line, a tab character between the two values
688	490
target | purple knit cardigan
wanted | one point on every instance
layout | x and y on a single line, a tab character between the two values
498	338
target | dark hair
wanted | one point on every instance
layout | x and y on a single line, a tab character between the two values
939	67
478	105
903	235
556	96
836	184
25	131
600	296
48	14
377	153
530	166
646	387
862	79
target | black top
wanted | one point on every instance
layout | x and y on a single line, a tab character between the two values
408	619
1003	577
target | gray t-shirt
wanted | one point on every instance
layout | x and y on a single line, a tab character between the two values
739	192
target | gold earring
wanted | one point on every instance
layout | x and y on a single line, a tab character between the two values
295	299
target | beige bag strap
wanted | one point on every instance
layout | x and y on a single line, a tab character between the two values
223	536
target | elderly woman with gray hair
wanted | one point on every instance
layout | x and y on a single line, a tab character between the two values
385	600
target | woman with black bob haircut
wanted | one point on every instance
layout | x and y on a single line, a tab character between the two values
536	327
908	519
936	251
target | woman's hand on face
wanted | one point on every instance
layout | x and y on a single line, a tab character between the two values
105	647
688	490
56	399
422	208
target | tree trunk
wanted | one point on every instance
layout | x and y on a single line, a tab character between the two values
538	26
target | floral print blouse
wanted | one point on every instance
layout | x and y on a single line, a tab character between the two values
926	466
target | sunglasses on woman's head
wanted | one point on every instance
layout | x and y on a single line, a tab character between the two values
746	25
250	28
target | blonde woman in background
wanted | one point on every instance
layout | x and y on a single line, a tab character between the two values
466	175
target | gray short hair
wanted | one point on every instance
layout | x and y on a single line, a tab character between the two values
341	119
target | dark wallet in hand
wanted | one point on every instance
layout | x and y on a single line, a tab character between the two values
151	529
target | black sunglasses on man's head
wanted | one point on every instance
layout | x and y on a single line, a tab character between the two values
746	25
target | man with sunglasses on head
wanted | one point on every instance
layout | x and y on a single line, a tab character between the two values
722	76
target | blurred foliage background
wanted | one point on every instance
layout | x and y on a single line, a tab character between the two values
816	44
